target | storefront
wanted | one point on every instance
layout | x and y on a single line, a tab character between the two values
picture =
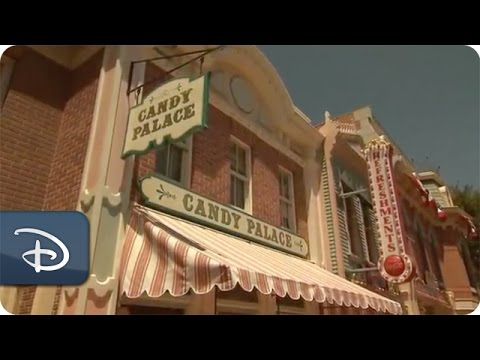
417	224
213	249
354	240
223	218
188	262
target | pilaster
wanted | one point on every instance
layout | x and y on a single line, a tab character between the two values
105	187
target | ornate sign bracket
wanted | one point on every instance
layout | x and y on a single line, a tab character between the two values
202	54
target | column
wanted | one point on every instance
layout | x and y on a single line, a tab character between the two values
317	236
105	187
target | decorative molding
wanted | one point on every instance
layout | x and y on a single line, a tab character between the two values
86	200
71	295
284	113
101	288
222	105
114	200
99	301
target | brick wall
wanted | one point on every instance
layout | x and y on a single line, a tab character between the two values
25	299
31	118
44	131
67	167
211	168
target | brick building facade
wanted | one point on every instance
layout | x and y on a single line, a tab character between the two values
259	155
442	282
46	117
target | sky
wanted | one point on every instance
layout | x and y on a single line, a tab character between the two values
426	97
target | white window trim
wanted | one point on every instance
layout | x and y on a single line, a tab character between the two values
291	201
188	163
248	177
186	176
5	77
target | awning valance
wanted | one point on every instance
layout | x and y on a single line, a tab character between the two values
162	253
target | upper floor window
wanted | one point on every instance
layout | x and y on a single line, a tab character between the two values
174	161
421	254
361	226
354	222
240	175
370	231
287	202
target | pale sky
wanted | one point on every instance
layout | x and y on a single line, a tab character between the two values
425	96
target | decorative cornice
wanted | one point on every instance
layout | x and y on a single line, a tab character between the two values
112	199
380	141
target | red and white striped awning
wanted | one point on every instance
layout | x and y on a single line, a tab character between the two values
162	253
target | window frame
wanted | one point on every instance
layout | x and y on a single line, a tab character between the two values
291	202
186	166
370	232
247	178
6	72
349	210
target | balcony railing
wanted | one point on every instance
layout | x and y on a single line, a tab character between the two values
346	128
365	274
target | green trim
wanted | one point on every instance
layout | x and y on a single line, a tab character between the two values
168	139
329	216
144	200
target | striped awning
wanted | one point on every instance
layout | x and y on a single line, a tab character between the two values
162	253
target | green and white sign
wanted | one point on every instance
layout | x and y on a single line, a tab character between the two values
173	199
171	112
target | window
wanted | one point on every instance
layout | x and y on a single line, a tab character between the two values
6	70
370	231
287	203
353	225
432	251
421	255
174	161
240	175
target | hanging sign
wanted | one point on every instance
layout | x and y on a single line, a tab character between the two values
394	264
171	198
171	112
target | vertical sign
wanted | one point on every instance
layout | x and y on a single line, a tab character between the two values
394	265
